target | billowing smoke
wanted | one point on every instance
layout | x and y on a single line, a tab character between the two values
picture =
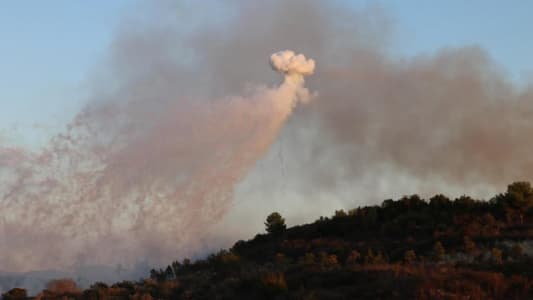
164	149
155	188
294	66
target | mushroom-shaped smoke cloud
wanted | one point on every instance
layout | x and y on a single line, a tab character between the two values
294	67
287	62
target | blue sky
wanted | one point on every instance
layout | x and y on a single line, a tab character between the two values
503	28
48	48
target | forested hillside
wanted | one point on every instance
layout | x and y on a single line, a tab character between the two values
410	248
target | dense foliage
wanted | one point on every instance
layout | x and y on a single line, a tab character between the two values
406	249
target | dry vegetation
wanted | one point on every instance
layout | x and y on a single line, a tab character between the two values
406	249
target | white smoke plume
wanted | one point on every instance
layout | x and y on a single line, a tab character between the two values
294	67
92	200
291	64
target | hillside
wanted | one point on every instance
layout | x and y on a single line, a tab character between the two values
410	248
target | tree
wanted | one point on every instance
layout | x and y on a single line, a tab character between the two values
516	201
186	262
439	201
412	202
380	259
469	245
340	214
176	268
409	257
169	274
275	223
15	294
438	251
274	282
158	275
517	251
388	203
370	215
370	257
328	262
353	258
522	190
63	286
465	202
308	259
373	259
281	259
496	256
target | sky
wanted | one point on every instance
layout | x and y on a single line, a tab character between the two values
47	51
503	29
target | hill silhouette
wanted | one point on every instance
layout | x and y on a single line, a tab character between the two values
410	248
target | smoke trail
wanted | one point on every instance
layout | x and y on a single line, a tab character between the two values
152	190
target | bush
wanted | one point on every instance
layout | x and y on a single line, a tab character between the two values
15	294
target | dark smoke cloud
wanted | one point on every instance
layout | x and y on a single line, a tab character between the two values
177	119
